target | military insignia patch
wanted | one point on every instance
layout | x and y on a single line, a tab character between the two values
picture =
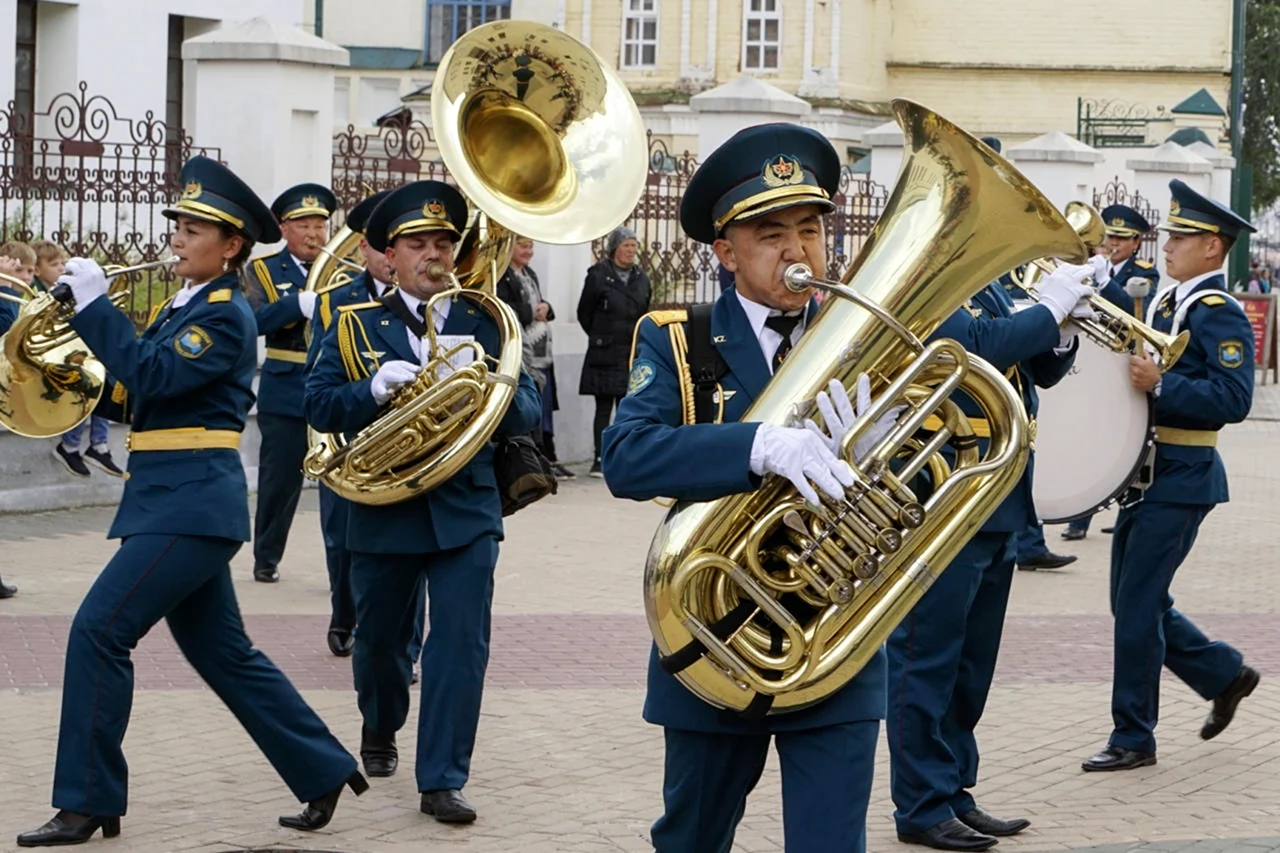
310	201
192	342
434	208
783	170
642	374
1118	222
192	190
1175	209
1231	354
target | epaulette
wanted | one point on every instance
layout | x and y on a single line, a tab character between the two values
325	312
1214	300
361	305
264	279
667	317
352	341
1146	265
222	294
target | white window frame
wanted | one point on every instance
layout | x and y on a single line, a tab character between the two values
763	15
641	12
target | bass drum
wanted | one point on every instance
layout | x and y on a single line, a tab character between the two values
1093	432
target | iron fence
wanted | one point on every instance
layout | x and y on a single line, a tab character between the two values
394	154
1115	192
82	176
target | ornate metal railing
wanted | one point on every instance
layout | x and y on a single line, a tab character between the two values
1115	192
1110	123
80	175
396	153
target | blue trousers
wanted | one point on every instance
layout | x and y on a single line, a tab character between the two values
826	785
388	592
1031	542
1151	541
1081	523
99	431
185	580
941	662
284	446
342	607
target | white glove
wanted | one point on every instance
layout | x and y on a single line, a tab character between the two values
1064	288
307	302
86	280
1138	288
390	378
1101	266
838	413
800	456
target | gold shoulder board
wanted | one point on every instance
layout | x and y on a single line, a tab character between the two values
667	317
1214	300
1146	265
222	294
359	306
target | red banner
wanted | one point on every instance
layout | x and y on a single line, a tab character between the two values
1260	308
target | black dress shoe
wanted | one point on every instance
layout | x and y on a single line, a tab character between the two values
341	643
319	812
1108	530
979	820
1117	758
1047	560
69	828
951	834
1072	534
447	806
1224	707
7	591
263	573
378	753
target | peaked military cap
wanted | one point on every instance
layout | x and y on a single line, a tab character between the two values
213	193
304	200
993	142
1123	221
359	214
414	208
757	171
1192	213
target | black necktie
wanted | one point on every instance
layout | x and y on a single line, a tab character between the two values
784	325
306	267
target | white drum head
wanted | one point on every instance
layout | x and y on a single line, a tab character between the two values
1093	430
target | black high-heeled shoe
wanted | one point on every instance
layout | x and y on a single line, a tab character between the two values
69	828
319	812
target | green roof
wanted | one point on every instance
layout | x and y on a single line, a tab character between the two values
1201	103
1189	136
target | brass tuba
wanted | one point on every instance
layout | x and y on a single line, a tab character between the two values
786	601
49	380
545	141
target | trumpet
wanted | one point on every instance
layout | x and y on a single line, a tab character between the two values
1110	327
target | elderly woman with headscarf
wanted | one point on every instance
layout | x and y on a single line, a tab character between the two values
615	295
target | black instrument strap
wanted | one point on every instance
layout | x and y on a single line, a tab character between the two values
705	364
392	302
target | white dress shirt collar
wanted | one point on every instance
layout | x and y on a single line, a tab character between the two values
767	338
300	263
1185	288
186	294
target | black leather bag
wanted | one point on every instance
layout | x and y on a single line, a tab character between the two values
524	474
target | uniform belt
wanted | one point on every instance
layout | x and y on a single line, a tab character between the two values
1186	437
183	438
295	356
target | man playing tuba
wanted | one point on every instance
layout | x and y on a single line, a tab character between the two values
448	535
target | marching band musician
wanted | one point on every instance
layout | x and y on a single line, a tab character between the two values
283	307
1116	265
942	657
1210	385
759	200
8	316
369	285
183	516
449	535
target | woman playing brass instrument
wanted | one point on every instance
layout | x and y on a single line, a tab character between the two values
183	516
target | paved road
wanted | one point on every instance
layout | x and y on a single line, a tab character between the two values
564	762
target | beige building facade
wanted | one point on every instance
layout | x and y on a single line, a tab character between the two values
1015	70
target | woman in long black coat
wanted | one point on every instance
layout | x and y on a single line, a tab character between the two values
616	295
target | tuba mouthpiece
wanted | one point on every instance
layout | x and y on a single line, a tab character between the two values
436	270
798	277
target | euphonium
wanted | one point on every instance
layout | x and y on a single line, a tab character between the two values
789	600
49	380
339	262
544	140
1111	327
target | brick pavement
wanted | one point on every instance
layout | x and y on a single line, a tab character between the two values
565	764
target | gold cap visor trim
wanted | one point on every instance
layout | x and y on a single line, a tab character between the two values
414	226
306	211
1181	225
775	199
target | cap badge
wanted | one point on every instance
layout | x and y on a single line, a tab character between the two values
1175	209
434	208
784	170
192	190
1118	222
310	201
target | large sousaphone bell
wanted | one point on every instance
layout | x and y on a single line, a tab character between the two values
546	142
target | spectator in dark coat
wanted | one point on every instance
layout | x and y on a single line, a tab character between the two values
616	294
